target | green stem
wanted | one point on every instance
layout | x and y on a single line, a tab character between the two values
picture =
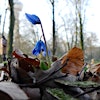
46	46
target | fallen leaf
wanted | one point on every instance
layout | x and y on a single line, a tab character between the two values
75	61
25	62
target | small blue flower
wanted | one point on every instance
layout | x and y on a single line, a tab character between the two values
39	47
33	18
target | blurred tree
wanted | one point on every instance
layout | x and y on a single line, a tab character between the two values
54	36
91	49
80	23
17	37
11	28
78	11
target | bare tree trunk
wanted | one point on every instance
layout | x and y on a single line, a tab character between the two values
76	27
11	28
54	37
53	24
81	32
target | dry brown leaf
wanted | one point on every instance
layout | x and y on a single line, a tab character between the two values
94	68
93	72
75	61
26	62
98	69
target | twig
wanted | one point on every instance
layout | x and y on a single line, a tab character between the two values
96	88
81	71
48	77
31	85
44	80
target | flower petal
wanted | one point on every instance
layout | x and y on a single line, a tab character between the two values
33	18
43	48
40	47
35	52
37	49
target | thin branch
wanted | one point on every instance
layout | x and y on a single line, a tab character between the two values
82	70
51	2
48	77
89	91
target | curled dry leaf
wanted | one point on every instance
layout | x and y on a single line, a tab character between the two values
98	69
26	62
95	70
75	61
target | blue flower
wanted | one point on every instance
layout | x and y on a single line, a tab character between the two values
33	18
39	47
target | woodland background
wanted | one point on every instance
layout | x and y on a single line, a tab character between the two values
65	35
